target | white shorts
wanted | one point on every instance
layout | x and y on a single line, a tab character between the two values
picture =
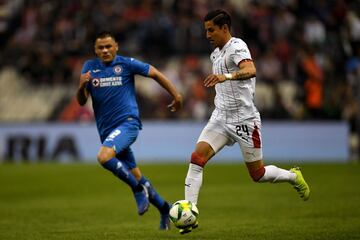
247	134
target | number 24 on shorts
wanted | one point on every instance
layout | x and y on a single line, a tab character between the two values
240	129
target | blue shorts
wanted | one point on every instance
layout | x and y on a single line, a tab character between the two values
120	139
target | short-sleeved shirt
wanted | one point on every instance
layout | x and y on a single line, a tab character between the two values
112	89
234	100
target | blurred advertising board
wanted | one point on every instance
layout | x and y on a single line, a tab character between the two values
172	141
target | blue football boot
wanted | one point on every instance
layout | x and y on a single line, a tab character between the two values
164	219
142	201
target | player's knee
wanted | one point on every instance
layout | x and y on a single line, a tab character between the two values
198	159
105	154
257	174
103	157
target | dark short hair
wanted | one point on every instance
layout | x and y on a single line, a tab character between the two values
219	17
105	34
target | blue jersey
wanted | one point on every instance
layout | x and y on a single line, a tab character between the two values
112	89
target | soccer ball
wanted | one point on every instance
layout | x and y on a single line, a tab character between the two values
183	213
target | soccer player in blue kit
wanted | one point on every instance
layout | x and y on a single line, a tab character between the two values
109	80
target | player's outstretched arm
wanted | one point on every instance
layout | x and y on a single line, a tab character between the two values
82	94
176	104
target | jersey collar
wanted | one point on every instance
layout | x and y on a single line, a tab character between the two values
114	61
226	44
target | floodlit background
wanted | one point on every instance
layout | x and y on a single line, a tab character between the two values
307	55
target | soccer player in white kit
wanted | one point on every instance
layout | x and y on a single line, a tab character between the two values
235	118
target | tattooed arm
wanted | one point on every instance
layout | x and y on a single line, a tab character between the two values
246	70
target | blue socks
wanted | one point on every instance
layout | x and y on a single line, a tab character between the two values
154	197
119	170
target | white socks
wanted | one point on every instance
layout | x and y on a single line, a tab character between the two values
194	179
193	182
274	174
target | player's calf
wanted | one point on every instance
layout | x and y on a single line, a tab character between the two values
256	170
257	174
193	180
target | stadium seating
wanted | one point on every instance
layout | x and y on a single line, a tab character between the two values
20	101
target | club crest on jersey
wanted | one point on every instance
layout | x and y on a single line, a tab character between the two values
117	69
95	82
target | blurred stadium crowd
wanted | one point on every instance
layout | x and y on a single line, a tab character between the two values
307	55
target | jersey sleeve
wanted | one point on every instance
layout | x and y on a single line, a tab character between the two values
240	52
139	67
85	68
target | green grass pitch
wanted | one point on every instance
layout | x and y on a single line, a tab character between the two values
83	201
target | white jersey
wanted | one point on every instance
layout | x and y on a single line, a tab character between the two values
234	100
